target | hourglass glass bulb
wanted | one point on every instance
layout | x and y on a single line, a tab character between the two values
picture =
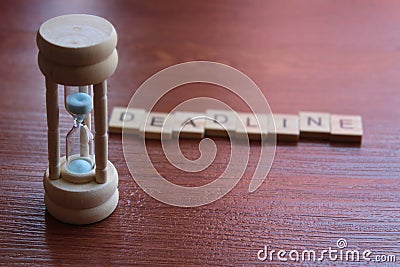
79	140
79	105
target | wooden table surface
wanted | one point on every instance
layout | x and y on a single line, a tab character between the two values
332	56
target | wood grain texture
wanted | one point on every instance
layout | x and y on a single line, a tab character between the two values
330	56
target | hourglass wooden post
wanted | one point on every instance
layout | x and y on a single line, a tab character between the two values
78	51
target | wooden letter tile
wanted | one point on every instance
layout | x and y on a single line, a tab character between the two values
132	117
247	126
224	117
314	125
287	127
346	128
188	125
157	125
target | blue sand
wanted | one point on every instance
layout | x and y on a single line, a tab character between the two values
79	166
79	103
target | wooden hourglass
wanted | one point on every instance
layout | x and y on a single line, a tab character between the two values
78	51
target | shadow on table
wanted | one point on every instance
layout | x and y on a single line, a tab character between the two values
85	242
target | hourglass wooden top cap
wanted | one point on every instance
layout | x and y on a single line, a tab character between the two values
76	40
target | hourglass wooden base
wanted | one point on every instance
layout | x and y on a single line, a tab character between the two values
81	203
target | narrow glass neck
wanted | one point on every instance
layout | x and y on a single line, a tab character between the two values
79	120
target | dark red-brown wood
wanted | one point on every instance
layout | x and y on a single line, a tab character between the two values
331	56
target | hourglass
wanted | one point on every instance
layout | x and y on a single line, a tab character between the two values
78	51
